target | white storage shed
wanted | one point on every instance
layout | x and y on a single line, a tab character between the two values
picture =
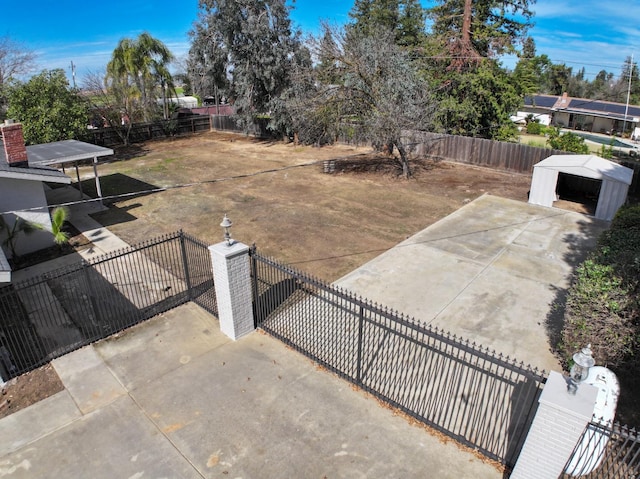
615	180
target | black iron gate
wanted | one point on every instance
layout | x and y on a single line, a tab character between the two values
47	316
478	397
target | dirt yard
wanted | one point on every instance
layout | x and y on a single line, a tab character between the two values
278	197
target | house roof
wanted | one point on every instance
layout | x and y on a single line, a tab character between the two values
541	101
588	166
584	106
32	173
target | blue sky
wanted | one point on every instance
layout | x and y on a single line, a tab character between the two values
595	34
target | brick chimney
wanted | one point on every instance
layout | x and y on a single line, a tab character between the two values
15	150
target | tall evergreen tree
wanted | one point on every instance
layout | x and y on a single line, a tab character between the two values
478	101
527	76
405	18
474	29
411	32
255	39
207	62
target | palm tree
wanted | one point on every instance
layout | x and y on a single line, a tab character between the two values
136	69
58	216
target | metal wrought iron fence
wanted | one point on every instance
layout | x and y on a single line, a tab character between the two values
458	388
50	315
605	451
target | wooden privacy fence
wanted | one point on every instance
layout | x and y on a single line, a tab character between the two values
479	151
140	132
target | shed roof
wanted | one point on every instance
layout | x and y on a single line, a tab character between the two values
589	166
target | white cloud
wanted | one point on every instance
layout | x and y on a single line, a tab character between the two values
595	34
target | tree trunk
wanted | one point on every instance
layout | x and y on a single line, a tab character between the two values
466	22
406	171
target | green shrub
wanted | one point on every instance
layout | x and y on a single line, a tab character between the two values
628	217
603	304
566	141
534	128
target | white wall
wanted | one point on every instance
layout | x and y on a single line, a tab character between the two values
612	196
22	194
602	124
543	186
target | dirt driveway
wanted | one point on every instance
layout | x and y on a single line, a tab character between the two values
326	224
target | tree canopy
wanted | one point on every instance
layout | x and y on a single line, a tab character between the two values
404	18
477	102
48	109
375	92
250	42
15	60
138	73
481	28
473	29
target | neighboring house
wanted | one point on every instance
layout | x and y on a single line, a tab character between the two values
596	116
22	194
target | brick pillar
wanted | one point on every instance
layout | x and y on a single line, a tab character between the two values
15	150
557	427
232	277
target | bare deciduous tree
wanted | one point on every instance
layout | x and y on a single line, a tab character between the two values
15	60
374	90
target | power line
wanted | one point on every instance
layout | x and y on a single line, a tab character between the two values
165	188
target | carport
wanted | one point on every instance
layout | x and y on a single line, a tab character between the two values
615	180
68	152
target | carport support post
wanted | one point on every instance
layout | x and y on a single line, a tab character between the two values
560	420
232	278
97	178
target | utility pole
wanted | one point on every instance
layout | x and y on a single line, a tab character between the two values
73	74
626	110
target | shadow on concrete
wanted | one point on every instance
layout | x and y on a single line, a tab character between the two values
524	404
272	298
61	310
115	215
579	246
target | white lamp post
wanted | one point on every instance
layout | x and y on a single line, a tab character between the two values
226	224
582	361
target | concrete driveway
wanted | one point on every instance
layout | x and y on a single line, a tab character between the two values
173	397
491	272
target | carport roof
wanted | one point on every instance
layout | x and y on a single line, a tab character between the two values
67	151
588	166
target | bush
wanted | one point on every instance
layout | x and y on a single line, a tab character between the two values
566	141
603	304
535	128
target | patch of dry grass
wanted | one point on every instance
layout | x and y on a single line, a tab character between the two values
326	224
